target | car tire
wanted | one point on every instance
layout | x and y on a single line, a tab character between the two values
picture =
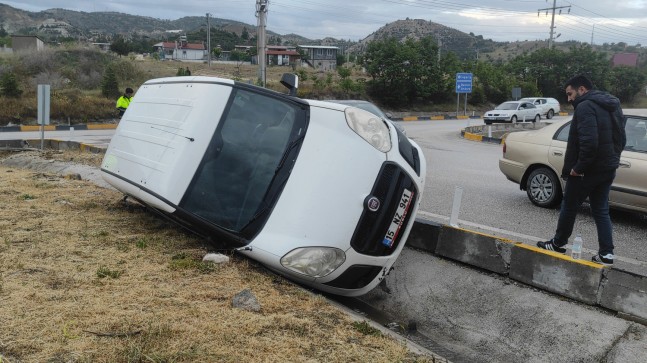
513	119
544	188
550	114
537	118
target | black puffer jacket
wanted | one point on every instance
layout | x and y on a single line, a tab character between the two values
594	142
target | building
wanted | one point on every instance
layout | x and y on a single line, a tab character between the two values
281	55
625	59
181	50
26	43
320	57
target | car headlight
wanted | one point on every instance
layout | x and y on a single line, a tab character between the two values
314	261
369	127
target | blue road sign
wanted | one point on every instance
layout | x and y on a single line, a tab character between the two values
463	82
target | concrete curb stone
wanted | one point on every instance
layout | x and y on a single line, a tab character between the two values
618	290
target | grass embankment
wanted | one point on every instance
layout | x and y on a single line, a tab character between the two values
87	277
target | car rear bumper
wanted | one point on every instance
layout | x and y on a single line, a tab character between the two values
512	170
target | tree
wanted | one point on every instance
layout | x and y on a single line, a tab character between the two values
404	73
9	85
120	46
625	82
245	34
109	84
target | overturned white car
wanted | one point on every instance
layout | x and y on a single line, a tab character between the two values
322	193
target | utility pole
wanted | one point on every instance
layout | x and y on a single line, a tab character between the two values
261	14
552	20
208	41
592	31
439	45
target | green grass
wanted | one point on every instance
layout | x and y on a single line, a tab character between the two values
103	272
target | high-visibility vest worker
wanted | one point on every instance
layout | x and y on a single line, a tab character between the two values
124	101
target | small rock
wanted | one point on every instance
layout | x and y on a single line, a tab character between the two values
246	300
216	258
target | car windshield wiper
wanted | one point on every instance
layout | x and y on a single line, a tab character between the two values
267	206
287	151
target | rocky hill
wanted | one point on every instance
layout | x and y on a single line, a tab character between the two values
466	46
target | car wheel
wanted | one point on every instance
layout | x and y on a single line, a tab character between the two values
550	114
543	188
537	118
513	119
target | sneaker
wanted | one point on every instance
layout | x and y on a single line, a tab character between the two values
606	260
551	246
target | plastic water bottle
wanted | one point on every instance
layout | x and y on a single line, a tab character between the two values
576	251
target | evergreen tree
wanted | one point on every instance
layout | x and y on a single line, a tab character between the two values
109	84
9	85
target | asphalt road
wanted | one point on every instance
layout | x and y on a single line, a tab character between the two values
494	205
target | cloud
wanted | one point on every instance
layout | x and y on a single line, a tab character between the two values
317	19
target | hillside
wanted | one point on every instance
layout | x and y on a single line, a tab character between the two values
54	23
466	46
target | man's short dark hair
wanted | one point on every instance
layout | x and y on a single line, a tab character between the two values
129	90
579	81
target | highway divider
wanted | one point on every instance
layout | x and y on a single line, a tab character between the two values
609	287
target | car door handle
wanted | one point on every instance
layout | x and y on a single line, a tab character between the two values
558	153
625	164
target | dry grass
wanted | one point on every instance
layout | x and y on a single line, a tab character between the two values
86	277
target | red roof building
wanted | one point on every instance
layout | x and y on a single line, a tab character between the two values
625	59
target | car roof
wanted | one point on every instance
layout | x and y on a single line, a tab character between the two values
537	98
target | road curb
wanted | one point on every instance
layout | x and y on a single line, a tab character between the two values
615	289
53	144
58	127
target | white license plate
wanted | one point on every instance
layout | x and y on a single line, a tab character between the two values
398	218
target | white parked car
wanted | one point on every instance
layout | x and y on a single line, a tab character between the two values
322	193
548	105
513	111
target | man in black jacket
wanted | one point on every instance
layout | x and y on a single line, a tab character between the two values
595	140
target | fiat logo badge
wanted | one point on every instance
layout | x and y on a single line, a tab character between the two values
373	204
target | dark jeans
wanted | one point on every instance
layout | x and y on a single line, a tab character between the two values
596	187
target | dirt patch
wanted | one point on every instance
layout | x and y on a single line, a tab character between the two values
86	276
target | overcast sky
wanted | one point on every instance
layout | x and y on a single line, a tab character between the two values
604	21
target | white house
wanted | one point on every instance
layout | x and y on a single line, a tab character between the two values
181	50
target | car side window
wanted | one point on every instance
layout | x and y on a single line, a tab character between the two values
636	130
562	134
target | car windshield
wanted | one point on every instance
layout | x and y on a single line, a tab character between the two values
507	106
237	179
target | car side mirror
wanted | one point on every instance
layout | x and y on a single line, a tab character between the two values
291	81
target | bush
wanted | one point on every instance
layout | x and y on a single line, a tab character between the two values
109	84
9	85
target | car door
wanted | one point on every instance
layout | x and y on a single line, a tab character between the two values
629	189
530	112
557	148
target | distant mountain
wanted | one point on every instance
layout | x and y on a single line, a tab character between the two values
54	23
